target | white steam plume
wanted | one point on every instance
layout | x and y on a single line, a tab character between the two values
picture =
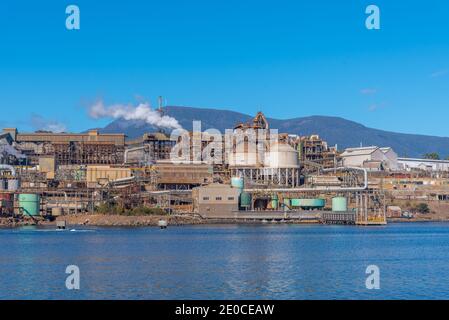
142	112
40	123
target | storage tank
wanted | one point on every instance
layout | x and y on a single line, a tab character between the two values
245	200
309	203
243	159
13	184
245	155
281	155
275	201
237	182
29	204
339	204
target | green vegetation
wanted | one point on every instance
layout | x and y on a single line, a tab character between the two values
422	208
432	155
114	209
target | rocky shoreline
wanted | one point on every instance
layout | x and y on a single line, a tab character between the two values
108	220
105	220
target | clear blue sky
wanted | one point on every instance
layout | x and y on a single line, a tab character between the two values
287	58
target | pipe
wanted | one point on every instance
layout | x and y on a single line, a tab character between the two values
9	168
333	189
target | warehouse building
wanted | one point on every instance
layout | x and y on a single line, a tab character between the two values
70	148
216	200
409	164
148	149
372	158
171	176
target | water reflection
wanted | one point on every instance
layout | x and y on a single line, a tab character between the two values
226	262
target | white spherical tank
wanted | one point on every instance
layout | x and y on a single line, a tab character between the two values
282	155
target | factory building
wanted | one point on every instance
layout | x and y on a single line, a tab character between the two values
70	148
9	154
98	176
372	158
409	164
391	158
313	149
216	200
171	176
266	162
148	149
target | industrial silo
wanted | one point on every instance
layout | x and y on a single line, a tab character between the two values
238	183
314	203
274	201
281	155
29	204
339	204
245	200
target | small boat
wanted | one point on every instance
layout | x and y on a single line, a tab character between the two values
162	224
61	225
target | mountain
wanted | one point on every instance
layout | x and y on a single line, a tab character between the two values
334	130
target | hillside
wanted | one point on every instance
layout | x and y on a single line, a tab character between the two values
335	130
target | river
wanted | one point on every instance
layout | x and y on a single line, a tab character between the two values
227	262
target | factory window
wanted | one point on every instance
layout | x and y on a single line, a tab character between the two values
230	198
218	198
205	198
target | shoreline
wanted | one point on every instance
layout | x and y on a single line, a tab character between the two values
105	220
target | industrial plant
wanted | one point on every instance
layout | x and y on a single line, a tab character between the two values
254	174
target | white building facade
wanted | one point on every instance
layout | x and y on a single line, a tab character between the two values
409	164
373	158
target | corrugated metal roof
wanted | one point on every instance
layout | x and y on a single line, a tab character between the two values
359	151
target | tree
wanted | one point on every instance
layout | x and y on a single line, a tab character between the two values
432	155
422	208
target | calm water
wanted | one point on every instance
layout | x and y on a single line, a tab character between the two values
227	262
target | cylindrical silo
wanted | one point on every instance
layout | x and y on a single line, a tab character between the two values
314	203
238	183
245	200
274	201
29	204
339	204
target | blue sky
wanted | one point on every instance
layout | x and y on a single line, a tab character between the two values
286	58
